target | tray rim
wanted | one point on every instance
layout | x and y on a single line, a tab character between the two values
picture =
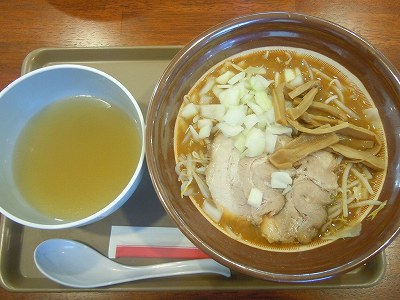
35	54
27	65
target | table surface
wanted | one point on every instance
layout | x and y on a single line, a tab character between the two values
26	25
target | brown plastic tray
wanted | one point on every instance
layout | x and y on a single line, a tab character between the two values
138	69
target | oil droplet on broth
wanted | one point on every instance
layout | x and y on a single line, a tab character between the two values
75	156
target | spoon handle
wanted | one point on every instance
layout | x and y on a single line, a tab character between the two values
185	267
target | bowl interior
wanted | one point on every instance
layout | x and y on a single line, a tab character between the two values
275	29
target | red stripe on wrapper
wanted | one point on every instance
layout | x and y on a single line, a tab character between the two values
159	252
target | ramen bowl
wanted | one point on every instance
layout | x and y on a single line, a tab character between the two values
380	79
28	96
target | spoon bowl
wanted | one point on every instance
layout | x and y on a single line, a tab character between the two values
73	264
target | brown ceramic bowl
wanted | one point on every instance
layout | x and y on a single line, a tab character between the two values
378	75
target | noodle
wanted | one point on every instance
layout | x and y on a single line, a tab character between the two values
289	58
365	203
346	109
316	71
337	83
363	180
344	189
330	99
310	73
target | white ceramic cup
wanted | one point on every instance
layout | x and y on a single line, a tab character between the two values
29	94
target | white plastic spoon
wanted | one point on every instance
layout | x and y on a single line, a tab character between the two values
76	265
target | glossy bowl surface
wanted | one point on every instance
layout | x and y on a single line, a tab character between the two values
29	94
378	75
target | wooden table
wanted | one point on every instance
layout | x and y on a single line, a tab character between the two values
29	24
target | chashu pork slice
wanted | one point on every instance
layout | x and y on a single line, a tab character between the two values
222	176
319	167
305	211
256	172
302	217
230	179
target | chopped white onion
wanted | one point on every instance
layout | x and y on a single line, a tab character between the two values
263	120
237	78
257	109
247	98
280	180
234	116
271	115
263	100
189	111
196	118
208	86
240	141
250	121
259	83
205	131
270	142
204	99
255	198
224	86
279	129
229	130
298	80
255	142
289	74
255	70
372	115
224	78
216	90
212	111
297	71
237	67
243	88
214	213
204	122
230	96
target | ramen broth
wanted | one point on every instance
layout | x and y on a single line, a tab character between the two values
276	61
75	156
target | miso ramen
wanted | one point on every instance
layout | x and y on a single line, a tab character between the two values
281	149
